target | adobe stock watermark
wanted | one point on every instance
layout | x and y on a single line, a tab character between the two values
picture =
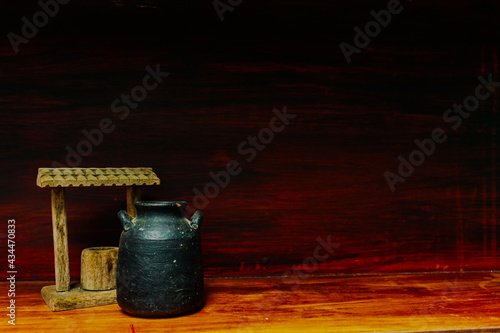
11	271
373	28
120	106
222	6
248	149
294	277
453	116
29	30
310	264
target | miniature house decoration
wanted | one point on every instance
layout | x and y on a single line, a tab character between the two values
97	282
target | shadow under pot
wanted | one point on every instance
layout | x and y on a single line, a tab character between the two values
159	269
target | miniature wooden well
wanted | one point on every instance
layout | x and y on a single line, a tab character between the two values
62	296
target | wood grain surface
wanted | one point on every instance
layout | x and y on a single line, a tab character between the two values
133	195
75	298
443	302
85	177
60	238
98	268
321	176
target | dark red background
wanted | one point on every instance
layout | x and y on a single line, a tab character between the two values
321	176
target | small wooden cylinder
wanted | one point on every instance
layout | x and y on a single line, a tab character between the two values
98	270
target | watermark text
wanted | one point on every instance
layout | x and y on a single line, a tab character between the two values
11	271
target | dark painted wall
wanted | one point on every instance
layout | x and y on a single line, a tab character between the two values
321	176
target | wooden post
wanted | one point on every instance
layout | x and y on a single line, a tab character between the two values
60	235
133	195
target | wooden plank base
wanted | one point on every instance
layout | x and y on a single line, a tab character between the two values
76	298
451	302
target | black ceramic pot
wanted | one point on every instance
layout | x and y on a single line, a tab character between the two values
159	269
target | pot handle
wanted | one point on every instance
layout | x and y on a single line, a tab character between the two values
125	219
196	220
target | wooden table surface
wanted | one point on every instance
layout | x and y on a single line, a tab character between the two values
362	303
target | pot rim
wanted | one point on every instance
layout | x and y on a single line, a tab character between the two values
160	203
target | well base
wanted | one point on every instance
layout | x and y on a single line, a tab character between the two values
76	298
